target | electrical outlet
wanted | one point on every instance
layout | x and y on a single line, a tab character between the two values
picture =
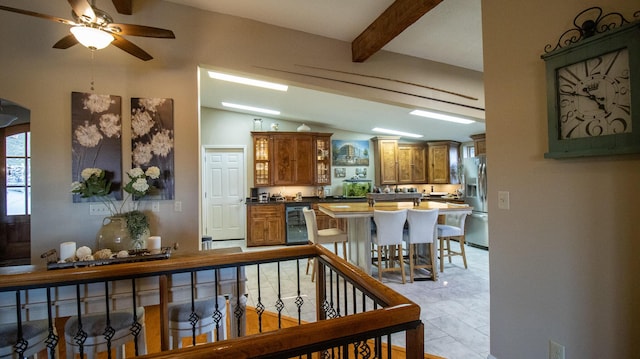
503	199
155	206
99	210
556	351
177	206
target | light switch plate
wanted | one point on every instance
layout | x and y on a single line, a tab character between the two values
503	199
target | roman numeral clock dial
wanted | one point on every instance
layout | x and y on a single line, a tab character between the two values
594	97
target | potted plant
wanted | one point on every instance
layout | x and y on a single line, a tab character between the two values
122	230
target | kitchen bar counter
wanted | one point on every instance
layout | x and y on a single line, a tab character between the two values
359	223
251	202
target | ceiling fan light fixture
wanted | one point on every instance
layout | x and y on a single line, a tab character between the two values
94	39
397	133
440	116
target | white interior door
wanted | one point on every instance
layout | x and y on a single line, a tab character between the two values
224	194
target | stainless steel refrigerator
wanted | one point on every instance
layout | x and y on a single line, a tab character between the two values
475	195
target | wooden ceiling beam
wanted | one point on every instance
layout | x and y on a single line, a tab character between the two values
123	6
395	19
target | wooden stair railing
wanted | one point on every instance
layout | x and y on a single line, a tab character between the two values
392	313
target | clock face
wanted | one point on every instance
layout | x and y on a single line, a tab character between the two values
594	97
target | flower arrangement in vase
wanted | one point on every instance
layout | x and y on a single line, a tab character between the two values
125	229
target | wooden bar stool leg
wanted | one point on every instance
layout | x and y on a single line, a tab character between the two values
432	257
441	254
464	255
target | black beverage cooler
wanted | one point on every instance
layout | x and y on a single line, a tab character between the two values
296	225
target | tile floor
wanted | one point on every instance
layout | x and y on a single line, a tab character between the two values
455	309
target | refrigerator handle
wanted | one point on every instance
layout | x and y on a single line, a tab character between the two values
482	181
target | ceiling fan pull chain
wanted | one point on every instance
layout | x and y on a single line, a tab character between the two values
92	75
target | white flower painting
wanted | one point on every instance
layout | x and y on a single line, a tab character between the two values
152	141
96	131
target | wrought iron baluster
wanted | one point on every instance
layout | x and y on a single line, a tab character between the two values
217	314
193	317
279	302
21	344
52	338
239	312
81	336
136	327
109	332
259	306
299	301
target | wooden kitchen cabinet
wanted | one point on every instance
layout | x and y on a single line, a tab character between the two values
479	144
443	161
291	158
386	160
322	145
265	225
412	163
261	160
399	163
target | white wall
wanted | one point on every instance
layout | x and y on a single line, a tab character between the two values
565	258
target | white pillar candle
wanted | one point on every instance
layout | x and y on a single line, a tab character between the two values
153	243
67	250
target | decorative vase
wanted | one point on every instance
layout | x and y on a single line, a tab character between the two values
141	241
114	234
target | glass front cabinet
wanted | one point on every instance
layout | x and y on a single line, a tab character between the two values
323	159
261	160
307	158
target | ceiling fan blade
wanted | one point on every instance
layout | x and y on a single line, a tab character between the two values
83	9
131	48
140	30
42	16
123	6
66	42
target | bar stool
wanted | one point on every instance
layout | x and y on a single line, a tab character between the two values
323	236
95	325
35	332
211	317
452	228
422	230
389	234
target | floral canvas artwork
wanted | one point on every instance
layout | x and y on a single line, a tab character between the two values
97	138
152	142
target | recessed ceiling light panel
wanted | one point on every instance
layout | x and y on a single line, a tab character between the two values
248	81
440	116
250	108
394	132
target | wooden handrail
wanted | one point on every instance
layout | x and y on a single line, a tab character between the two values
395	312
278	343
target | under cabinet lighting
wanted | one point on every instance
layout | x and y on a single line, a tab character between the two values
250	108
394	132
439	116
248	81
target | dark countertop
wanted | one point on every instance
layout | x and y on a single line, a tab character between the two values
330	199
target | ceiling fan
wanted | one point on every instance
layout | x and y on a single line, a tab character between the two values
95	29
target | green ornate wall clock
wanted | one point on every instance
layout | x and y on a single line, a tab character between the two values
593	87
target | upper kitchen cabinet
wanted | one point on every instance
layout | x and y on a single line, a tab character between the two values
386	160
323	159
479	144
261	160
291	158
399	163
412	163
443	161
